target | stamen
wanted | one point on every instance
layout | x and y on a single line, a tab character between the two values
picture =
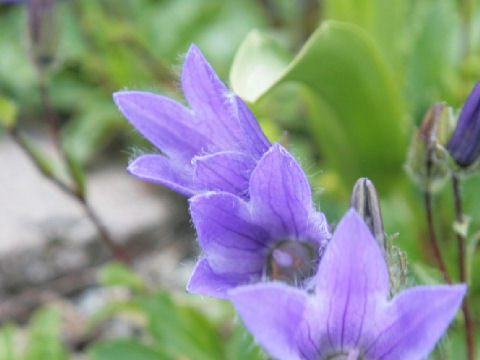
291	261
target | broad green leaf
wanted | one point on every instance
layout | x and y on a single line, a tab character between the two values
358	117
433	54
125	350
181	330
119	274
44	340
257	66
385	21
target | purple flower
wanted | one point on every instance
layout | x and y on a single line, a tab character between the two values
276	234
464	145
348	317
212	146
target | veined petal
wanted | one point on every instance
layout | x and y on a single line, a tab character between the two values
414	321
280	194
232	243
164	122
273	313
204	281
226	171
464	144
211	101
159	169
353	276
255	140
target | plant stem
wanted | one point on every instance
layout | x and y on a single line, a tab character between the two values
433	237
117	251
49	114
462	265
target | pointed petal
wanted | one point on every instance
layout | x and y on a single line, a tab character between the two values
280	194
353	276
273	313
158	169
415	321
227	171
204	281
464	145
165	123
211	101
232	243
255	140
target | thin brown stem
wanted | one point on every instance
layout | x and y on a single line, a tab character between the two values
433	238
462	265
50	114
117	251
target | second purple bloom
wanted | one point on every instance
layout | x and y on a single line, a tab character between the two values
276	235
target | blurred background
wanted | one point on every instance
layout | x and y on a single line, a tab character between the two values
341	83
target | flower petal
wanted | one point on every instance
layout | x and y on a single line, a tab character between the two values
227	171
165	123
255	140
204	281
273	313
464	145
353	276
280	194
232	243
211	101
415	321
159	169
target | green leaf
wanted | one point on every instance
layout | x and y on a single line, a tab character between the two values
125	350
77	173
385	21
8	112
42	161
45	336
242	345
358	117
119	274
259	62
8	348
181	330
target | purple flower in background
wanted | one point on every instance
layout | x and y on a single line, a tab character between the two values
348	317
464	145
275	235
212	146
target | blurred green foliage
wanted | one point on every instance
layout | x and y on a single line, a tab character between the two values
175	328
343	83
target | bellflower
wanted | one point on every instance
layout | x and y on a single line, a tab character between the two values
214	145
464	145
276	234
348	317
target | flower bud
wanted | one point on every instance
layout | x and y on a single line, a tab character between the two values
42	33
464	145
427	157
365	201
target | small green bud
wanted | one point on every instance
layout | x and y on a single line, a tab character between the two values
427	161
43	33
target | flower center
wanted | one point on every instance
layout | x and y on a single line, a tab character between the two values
291	261
352	354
